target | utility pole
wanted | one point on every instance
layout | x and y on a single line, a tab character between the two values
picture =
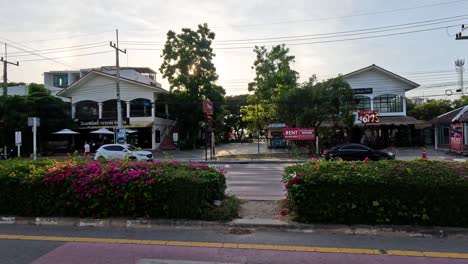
5	72
117	80
5	84
459	36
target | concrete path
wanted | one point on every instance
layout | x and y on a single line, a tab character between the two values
53	245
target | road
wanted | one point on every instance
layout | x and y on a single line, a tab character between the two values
260	181
69	245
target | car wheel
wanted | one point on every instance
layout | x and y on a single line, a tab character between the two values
337	158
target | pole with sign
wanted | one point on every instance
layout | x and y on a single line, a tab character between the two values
18	141
34	122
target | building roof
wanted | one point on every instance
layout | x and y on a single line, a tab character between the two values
94	72
384	71
459	114
137	69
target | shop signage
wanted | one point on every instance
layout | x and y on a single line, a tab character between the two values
298	133
368	116
456	138
101	122
208	107
363	91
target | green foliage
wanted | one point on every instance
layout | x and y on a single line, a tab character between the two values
315	103
417	192
274	77
460	102
187	65
233	115
430	109
112	189
227	210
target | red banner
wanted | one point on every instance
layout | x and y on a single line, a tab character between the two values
299	133
368	116
208	107
456	138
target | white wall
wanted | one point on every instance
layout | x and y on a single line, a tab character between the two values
17	90
381	84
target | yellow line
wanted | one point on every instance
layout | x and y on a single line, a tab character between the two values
361	251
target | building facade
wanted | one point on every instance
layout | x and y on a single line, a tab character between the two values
377	89
93	101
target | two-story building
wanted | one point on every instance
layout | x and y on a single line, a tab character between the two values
93	99
379	90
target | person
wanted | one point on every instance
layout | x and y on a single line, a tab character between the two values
87	149
363	139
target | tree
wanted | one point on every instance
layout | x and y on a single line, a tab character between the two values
462	101
274	77
430	109
314	103
233	116
188	67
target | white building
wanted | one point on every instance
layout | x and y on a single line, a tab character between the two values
94	103
380	90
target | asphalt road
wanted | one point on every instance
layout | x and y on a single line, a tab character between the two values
260	181
102	245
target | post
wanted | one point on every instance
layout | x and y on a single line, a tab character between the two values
5	72
19	153
206	144
436	132
258	132
317	144
117	79
34	130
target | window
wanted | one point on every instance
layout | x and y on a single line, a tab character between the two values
140	107
87	110
354	147
109	109
361	103
114	148
61	80
388	103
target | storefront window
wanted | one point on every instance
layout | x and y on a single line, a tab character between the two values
140	107
361	103
388	103
109	109
86	110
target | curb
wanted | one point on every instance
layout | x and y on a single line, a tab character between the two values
254	224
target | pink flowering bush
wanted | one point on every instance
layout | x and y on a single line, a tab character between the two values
121	189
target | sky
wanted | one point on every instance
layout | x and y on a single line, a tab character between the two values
62	35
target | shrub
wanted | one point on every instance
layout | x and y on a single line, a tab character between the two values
113	188
420	192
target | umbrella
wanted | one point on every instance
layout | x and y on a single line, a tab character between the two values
102	131
130	131
65	131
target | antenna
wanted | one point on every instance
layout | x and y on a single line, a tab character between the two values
459	63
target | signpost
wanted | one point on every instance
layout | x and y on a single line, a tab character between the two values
34	122
121	136
208	111
456	138
18	141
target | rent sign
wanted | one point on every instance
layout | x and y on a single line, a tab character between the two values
299	133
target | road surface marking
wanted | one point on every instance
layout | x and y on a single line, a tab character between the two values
359	251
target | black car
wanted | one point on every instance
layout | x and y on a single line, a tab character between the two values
356	152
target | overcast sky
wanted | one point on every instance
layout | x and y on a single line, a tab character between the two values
425	57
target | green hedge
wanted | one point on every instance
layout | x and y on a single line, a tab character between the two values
109	189
420	192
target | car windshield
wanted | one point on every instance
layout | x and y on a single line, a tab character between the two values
132	148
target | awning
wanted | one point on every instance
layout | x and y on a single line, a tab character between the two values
398	121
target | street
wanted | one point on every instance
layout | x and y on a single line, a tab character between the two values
260	181
52	245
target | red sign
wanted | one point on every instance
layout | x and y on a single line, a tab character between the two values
299	133
368	116
456	138
208	107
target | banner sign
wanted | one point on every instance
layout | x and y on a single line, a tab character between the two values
456	138
299	133
368	116
208	107
101	122
18	138
363	91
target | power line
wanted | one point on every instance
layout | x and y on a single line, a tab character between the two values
63	57
62	48
61	51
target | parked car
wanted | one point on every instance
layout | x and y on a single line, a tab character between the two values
121	151
356	152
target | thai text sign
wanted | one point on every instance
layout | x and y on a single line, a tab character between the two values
368	116
456	138
299	133
101	122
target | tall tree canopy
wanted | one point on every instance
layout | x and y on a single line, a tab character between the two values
430	109
315	103
274	77
233	115
187	65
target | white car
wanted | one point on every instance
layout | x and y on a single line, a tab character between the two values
121	151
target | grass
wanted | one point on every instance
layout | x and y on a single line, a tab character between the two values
228	210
